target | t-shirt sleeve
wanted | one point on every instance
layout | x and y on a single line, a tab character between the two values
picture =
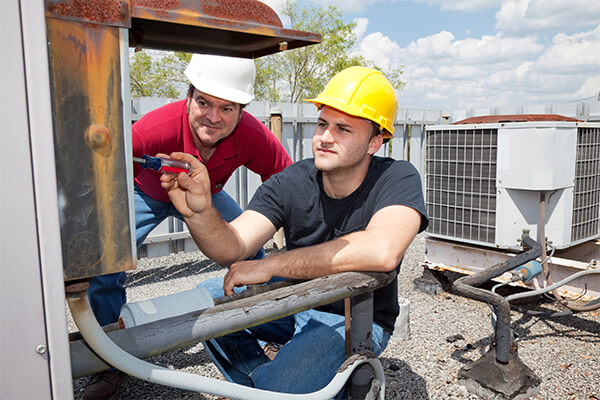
401	185
268	201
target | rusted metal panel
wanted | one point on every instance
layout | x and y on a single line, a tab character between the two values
242	28
86	87
496	119
102	12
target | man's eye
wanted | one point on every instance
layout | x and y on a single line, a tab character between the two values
321	124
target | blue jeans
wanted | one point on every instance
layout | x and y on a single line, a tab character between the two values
106	292
313	349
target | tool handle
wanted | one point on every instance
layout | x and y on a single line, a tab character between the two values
162	164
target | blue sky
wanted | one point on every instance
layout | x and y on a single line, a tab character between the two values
469	54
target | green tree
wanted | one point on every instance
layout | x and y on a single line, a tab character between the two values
159	74
302	73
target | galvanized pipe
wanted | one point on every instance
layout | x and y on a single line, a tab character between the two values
172	333
361	337
466	286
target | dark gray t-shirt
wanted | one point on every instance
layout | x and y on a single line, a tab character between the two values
294	199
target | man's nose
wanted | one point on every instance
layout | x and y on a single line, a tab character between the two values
327	136
212	114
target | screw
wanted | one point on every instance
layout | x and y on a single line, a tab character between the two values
40	349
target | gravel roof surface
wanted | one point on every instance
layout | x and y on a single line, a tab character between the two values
447	332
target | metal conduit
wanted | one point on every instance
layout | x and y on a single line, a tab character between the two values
467	286
361	341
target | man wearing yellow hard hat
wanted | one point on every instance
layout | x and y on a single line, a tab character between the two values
343	210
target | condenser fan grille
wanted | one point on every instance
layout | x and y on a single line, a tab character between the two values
461	183
586	194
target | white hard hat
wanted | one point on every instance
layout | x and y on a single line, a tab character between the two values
228	78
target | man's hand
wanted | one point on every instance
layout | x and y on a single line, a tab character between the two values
189	194
246	273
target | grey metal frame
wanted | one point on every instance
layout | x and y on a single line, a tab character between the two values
32	300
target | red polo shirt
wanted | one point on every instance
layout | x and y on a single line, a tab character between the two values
166	130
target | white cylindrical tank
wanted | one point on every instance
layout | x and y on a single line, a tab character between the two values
143	312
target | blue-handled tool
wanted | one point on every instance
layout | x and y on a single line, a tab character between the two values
162	164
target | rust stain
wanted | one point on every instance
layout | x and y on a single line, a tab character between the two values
86	86
161	7
156	4
491	119
242	10
233	10
101	11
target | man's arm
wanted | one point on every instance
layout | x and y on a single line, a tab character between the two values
220	241
380	248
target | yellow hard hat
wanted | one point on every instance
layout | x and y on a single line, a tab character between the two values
362	92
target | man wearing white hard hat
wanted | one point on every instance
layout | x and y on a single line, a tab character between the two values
211	125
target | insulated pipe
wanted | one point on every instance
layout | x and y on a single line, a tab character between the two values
361	337
552	287
466	287
176	332
98	340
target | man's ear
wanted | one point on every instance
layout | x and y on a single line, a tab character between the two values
375	144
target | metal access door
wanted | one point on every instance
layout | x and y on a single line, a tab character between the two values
34	357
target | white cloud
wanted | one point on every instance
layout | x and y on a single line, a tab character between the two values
577	53
522	16
589	88
463	5
361	27
490	71
380	49
349	5
485	50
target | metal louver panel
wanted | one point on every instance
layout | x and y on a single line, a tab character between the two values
461	183
586	195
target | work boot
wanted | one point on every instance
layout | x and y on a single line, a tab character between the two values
103	385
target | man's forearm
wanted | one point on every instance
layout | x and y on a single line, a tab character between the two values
349	253
215	237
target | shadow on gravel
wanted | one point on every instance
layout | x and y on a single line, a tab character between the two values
151	275
573	327
465	351
192	356
135	389
402	382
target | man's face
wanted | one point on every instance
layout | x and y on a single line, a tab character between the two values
342	141
211	118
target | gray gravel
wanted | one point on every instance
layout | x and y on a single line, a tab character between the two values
447	332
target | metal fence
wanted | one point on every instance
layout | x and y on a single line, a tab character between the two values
298	125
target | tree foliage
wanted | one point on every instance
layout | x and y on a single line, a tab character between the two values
158	74
302	73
